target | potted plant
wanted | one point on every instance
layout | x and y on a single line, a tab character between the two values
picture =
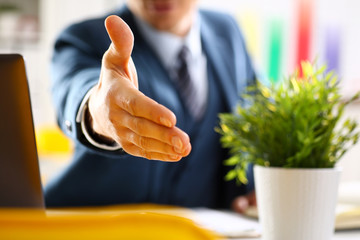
294	135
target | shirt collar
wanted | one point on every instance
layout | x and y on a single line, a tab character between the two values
167	45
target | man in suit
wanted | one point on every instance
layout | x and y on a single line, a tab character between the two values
126	96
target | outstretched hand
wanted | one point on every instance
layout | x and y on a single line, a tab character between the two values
122	113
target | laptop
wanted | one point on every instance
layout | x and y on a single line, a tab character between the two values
20	184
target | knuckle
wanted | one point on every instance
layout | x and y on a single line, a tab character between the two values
110	96
130	136
106	57
143	142
109	55
138	126
145	154
134	124
129	104
133	104
124	136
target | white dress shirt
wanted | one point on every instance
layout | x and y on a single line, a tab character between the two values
167	46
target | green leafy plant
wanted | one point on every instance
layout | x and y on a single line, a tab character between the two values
295	124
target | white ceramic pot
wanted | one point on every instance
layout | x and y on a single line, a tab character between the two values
296	204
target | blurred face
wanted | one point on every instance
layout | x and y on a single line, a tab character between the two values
174	16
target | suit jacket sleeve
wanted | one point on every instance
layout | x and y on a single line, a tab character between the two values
75	69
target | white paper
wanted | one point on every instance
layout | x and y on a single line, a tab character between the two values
226	223
349	193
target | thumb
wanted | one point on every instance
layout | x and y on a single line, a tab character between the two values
122	40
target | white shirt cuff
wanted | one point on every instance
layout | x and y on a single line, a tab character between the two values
80	118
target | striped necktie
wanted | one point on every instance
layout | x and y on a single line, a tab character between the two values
186	85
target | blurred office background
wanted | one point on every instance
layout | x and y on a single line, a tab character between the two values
279	33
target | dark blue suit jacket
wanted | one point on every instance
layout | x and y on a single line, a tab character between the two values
98	177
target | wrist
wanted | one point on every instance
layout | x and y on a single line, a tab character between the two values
84	119
88	122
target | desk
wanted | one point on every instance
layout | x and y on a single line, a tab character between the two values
129	222
231	224
347	235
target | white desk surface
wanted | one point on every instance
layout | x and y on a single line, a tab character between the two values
236	227
344	235
347	235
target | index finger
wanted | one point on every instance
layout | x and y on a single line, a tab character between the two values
139	105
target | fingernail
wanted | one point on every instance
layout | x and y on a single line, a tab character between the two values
166	122
178	145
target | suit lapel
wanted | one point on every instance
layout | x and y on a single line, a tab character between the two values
161	88
217	53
